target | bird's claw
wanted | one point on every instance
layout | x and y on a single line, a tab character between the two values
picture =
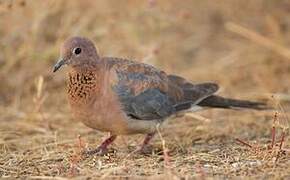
98	151
144	150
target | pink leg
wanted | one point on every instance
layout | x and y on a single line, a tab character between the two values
146	142
103	148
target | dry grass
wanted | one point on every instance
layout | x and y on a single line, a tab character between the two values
242	46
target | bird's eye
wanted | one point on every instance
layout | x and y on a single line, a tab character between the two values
77	50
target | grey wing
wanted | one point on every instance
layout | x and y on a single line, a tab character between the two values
143	94
148	105
148	94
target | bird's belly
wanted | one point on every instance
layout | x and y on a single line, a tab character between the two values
142	126
110	118
101	118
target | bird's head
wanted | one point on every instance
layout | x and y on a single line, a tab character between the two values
76	51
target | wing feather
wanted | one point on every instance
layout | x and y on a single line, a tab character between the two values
148	93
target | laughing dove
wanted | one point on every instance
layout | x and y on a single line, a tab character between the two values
121	96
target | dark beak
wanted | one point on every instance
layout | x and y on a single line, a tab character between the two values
59	63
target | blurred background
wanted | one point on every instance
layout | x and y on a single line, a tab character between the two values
241	45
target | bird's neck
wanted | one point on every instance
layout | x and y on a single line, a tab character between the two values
85	65
88	83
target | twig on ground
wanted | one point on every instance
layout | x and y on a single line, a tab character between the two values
244	143
198	117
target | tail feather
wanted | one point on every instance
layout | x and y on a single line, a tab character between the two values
227	103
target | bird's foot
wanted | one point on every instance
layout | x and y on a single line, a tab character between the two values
103	148
101	151
144	150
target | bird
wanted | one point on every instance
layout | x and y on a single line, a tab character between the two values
125	97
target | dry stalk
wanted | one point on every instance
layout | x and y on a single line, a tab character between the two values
274	130
76	157
165	149
270	152
258	39
244	143
39	97
198	117
200	171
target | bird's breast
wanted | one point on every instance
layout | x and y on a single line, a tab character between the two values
81	86
93	102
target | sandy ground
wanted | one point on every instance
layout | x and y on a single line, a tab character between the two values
242	46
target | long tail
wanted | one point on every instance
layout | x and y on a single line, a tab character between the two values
227	103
